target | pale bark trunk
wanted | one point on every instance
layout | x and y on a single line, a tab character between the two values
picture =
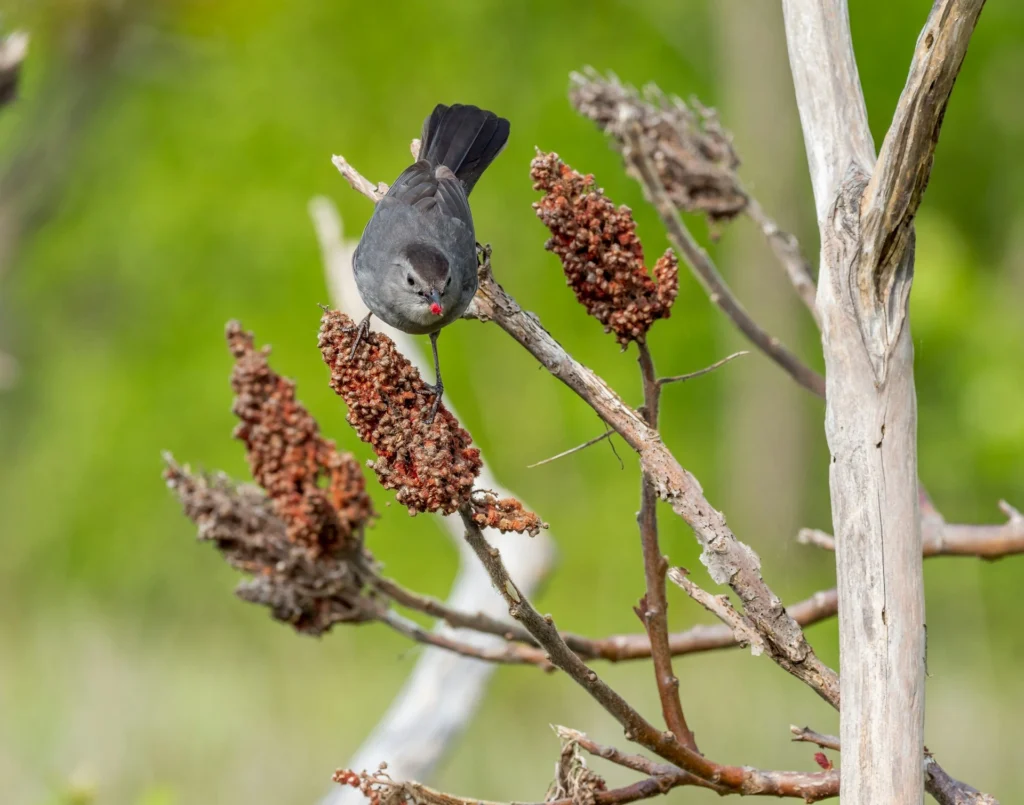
871	426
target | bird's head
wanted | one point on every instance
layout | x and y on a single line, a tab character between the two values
426	275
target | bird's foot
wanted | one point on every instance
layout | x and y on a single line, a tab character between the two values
362	331
437	391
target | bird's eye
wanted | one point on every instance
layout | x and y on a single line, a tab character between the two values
410	280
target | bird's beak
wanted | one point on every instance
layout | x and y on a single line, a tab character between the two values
435	303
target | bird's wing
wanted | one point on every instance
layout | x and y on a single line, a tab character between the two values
431	190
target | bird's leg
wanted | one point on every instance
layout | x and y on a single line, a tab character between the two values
438	387
362	331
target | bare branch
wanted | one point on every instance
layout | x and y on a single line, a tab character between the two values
359	182
728	560
700	372
904	165
944	789
808	735
939	538
510	653
634	762
653	608
865	215
948	791
787	251
719	605
706	272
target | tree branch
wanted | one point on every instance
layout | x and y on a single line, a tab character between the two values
808	735
505	653
904	165
653	608
939	538
743	630
787	251
664	381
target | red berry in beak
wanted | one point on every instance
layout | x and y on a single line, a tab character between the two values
435	309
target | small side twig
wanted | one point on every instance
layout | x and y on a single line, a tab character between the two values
787	251
628	761
507	653
939	538
807	735
570	451
719	605
700	372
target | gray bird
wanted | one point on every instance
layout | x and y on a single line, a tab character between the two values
416	263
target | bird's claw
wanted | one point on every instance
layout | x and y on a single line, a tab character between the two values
362	331
438	391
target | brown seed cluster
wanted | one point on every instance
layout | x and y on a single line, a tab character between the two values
318	492
310	592
432	467
690	151
504	514
601	255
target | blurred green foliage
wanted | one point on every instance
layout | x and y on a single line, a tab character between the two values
174	197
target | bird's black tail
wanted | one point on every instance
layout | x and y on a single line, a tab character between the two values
465	139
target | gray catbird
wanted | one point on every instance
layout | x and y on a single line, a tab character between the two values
416	263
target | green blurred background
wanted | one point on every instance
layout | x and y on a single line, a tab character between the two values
155	179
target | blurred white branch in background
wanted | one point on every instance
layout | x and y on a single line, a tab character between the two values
442	693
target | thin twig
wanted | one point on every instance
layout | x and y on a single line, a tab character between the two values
359	182
635	762
742	780
706	272
428	605
653	609
572	450
807	735
700	372
719	605
508	653
787	251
